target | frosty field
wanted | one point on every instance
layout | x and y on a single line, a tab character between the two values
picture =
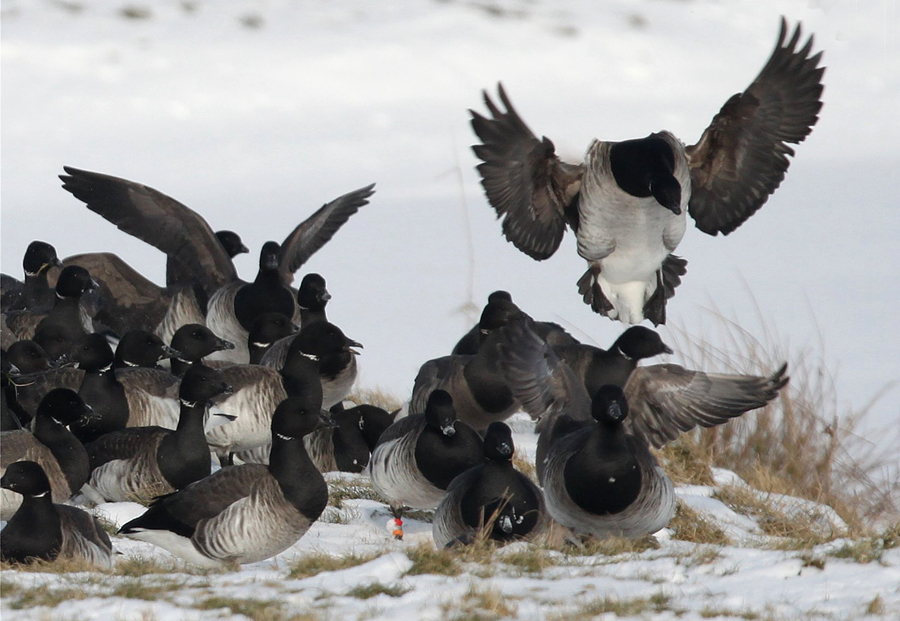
256	112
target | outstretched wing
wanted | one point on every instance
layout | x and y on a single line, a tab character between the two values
665	400
742	156
525	182
318	229
157	219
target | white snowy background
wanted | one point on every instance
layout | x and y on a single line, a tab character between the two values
255	112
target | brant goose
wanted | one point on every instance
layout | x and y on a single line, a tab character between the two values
597	367
259	389
187	238
139	463
35	292
312	297
246	513
132	302
42	530
341	448
52	445
593	457
627	201
268	329
500	310
493	498
194	342
65	322
476	383
331	349
418	456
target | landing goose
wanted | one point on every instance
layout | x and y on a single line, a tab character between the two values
247	513
492	496
52	445
139	463
627	201
43	530
418	456
594	461
498	311
35	292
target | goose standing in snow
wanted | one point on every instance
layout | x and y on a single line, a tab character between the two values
139	463
593	459
246	513
627	202
42	530
493	495
418	456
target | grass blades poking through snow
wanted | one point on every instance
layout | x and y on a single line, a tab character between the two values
802	444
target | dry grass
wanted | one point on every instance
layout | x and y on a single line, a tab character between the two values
317	562
688	525
377	397
802	444
657	603
479	604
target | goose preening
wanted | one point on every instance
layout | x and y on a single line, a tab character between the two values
627	201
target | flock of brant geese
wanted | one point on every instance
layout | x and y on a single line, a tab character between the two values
223	400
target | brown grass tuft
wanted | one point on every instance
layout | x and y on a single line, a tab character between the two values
803	443
688	525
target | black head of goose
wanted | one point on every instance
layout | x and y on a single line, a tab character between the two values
36	292
597	367
590	443
246	513
194	342
312	297
139	348
631	198
373	421
259	389
493	498
42	530
139	463
333	352
500	310
100	388
52	445
268	329
418	456
67	320
341	448
232	243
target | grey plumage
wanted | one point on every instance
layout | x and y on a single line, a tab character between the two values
662	401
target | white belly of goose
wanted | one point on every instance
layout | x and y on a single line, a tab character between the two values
628	237
395	475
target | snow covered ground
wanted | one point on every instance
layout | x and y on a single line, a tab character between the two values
753	576
255	112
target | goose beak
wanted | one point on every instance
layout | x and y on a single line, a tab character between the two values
169	352
666	349
504	449
448	430
351	344
227	389
222	344
325	420
4	483
87	416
